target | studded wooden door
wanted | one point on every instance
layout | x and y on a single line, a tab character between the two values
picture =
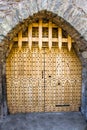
62	80
25	85
43	74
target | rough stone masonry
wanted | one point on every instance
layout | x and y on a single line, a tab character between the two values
69	14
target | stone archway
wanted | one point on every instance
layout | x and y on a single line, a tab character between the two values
66	17
41	70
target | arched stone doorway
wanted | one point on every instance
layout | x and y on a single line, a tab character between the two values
58	21
43	72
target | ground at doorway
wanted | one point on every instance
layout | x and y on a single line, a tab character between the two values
44	121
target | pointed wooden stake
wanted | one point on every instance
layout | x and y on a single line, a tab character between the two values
20	40
69	43
50	35
40	34
60	38
30	36
10	46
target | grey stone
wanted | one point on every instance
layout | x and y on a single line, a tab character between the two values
69	10
2	14
85	35
1	20
1	38
44	4
33	7
4	7
82	5
44	121
86	93
6	25
15	19
23	14
84	54
70	15
39	4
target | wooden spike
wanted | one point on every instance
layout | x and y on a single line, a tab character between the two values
50	35
30	36
20	40
10	46
40	34
69	43
60	38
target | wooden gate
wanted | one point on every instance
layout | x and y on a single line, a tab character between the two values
62	80
43	74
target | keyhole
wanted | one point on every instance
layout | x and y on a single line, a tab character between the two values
58	83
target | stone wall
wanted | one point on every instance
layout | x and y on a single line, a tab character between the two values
0	87
12	12
1	100
68	14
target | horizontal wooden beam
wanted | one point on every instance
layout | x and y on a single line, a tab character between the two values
44	25
25	39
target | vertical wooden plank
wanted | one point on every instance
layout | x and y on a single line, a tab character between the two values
69	43
20	40
10	46
30	36
60	38
50	35
40	34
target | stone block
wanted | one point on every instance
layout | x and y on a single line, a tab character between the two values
5	28
86	93
85	100
0	110
84	54
23	13
86	109
82	5
44	4
39	5
33	8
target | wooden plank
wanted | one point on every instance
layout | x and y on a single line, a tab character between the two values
40	34
10	46
50	35
69	43
30	36
25	39
60	38
20	40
